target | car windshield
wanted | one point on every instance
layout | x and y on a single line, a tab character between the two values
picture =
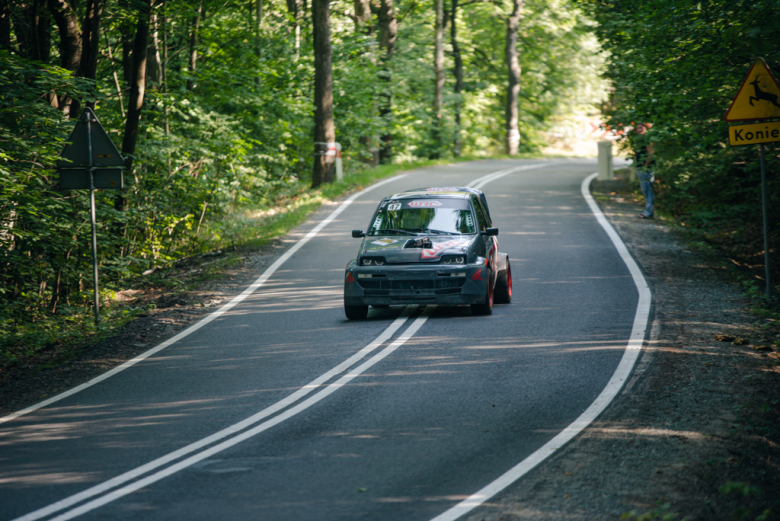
438	216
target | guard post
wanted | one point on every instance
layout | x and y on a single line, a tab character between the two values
606	172
91	161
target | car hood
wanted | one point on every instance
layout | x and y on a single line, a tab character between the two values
397	249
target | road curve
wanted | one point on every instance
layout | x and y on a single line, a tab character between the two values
280	408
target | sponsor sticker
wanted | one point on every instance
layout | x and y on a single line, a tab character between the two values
384	242
436	251
429	203
442	189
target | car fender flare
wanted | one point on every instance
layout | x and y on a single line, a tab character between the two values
501	262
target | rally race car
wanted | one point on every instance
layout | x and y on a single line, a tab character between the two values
429	246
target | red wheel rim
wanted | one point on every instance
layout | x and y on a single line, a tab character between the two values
509	281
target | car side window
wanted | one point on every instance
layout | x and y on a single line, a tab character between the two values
480	215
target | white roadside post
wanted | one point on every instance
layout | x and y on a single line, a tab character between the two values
339	165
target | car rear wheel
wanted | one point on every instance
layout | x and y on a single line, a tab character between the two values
355	312
487	307
504	285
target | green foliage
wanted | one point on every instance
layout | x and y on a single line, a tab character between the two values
660	513
678	64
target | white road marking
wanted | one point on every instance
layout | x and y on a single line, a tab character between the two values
233	429
221	311
327	391
621	374
482	181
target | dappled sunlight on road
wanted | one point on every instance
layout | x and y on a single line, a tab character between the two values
33	478
648	432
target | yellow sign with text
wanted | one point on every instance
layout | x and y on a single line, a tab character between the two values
758	97
754	134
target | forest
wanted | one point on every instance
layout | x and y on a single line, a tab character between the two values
222	110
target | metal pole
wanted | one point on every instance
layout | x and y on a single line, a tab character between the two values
91	170
766	226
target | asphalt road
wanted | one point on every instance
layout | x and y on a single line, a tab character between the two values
446	404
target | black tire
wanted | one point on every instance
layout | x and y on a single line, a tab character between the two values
380	306
503	294
485	308
356	312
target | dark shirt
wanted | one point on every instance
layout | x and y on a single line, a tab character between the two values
641	141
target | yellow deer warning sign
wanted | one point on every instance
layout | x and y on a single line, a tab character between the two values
759	96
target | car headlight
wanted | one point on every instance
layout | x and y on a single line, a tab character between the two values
453	259
372	261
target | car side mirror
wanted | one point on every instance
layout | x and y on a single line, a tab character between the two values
490	231
357	234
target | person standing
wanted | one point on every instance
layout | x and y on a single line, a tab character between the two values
644	163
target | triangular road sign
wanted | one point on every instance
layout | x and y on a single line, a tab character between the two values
759	96
104	152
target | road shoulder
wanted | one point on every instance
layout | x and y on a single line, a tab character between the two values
695	431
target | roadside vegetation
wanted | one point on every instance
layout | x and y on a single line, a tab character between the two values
677	65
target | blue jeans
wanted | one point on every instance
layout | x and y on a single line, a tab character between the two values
646	179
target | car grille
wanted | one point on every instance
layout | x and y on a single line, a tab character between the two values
441	286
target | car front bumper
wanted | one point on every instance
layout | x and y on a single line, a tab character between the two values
415	284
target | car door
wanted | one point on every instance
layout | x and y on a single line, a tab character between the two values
490	243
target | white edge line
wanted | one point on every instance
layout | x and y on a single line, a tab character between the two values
251	289
233	429
621	374
410	331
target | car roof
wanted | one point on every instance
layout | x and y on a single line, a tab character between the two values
436	191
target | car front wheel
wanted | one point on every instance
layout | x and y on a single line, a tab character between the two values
355	312
487	307
504	285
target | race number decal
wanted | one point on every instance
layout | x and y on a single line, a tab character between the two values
393	206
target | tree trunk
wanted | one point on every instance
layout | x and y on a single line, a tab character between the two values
194	44
70	44
362	14
324	129
154	61
90	45
456	146
31	25
70	35
127	52
5	25
438	66
388	32
513	88
137	88
42	25
258	24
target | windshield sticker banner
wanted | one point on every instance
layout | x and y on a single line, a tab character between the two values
436	251
424	203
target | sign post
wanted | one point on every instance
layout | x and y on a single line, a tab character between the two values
757	104
91	161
